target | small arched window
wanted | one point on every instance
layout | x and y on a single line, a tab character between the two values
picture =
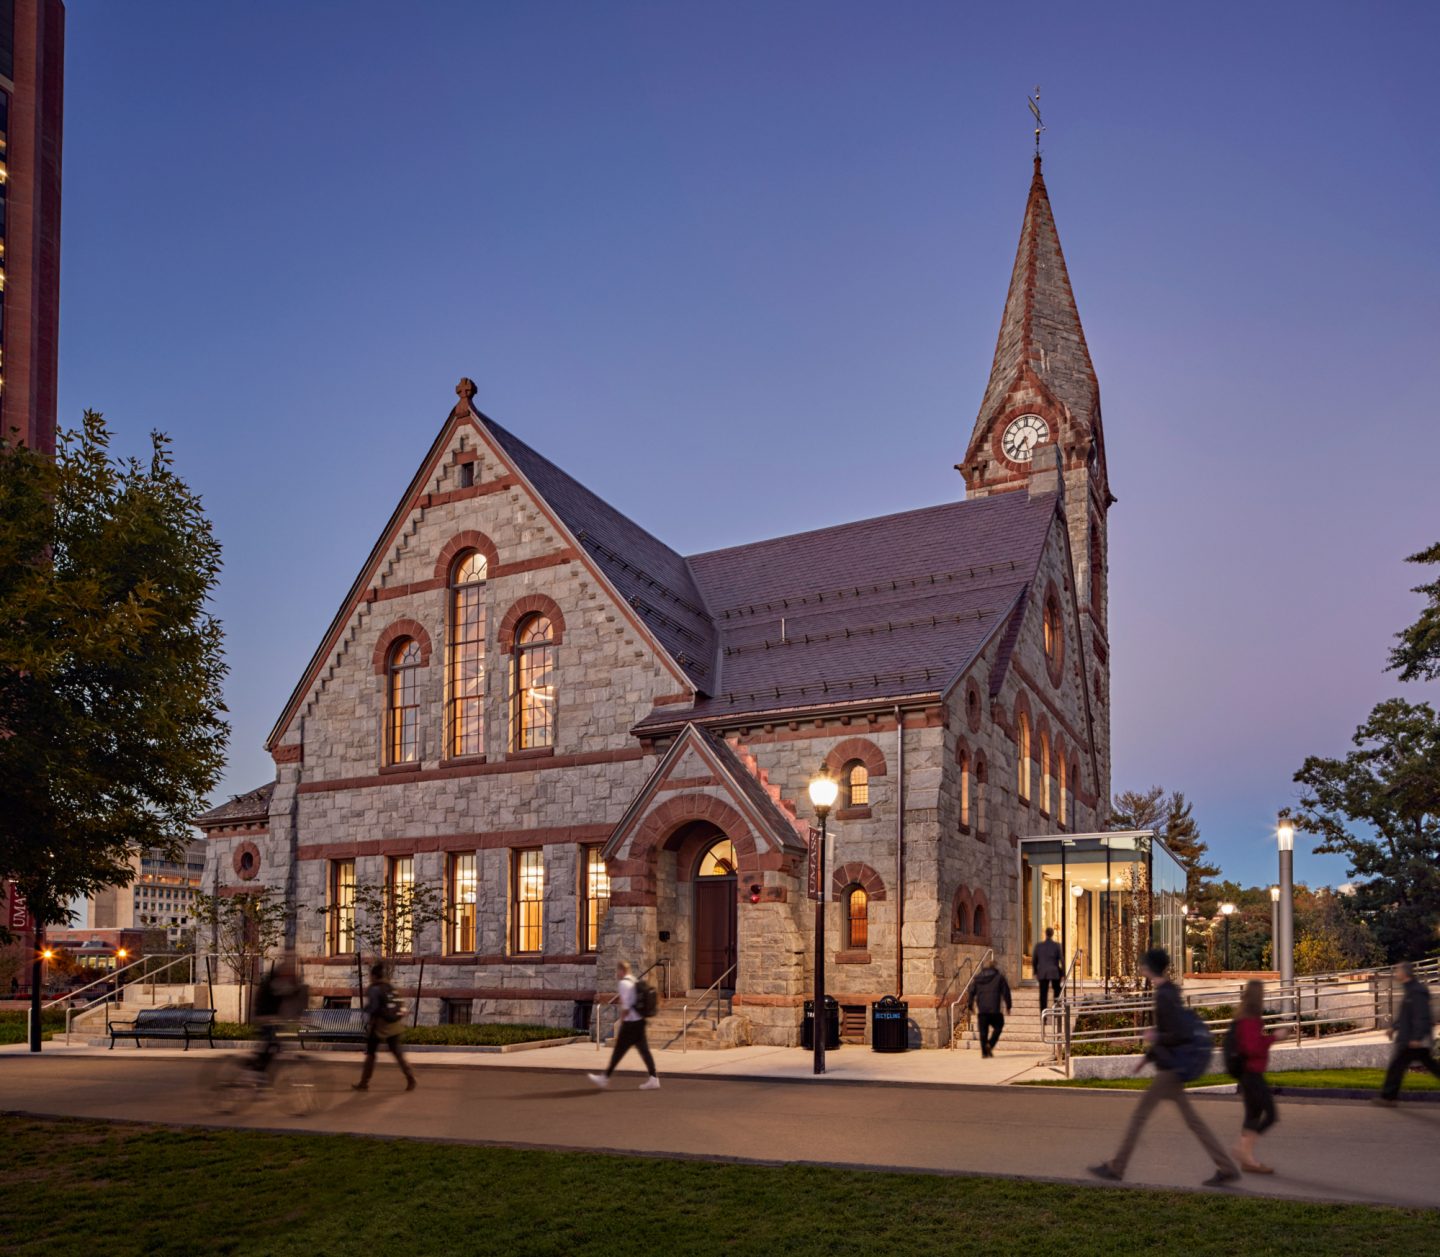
1022	757
1064	802
962	917
857	918
402	706
719	861
964	789
857	784
533	693
981	924
982	781
465	675
1052	630
1045	772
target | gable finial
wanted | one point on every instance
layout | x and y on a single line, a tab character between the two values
465	390
1034	103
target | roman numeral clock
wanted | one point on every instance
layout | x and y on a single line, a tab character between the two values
1022	436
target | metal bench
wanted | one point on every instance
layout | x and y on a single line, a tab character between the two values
333	1025
166	1023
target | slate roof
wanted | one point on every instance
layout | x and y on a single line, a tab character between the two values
253	805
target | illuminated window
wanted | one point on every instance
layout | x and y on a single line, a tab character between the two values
719	861
1045	772
597	896
964	790
342	906
402	717
465	671
857	918
533	684
857	785
1052	629
462	903
1022	757
399	903
528	895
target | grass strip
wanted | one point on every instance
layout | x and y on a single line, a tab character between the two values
89	1187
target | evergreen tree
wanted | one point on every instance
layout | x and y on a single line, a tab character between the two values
1169	815
1417	657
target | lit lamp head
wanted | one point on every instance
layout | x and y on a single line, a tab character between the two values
1274	894
47	954
1285	834
1077	891
1227	908
823	792
120	953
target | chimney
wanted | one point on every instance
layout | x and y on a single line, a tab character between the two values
1045	474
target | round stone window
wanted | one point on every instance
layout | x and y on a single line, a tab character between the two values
247	860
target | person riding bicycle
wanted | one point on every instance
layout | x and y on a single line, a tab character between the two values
281	999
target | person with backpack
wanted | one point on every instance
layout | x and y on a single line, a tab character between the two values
1179	1046
637	1001
1413	1032
384	1023
991	989
1247	1053
281	999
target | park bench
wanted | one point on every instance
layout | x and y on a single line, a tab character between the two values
166	1023
333	1025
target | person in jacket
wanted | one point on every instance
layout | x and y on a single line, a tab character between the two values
629	1033
382	1025
1171	1029
1049	967
1253	1046
281	999
1412	1034
991	991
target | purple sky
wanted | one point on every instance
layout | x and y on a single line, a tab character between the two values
759	251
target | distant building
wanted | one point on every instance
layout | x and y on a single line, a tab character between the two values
32	79
160	897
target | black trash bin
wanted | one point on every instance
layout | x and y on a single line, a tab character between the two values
890	1025
832	1024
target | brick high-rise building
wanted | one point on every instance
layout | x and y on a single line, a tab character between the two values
32	75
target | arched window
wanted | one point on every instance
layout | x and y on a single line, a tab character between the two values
964	789
1064	802
981	925
962	917
1022	757
719	861
402	706
857	784
465	674
857	918
982	781
533	684
1045	772
1052	629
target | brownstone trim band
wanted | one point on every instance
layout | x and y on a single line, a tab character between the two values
623	755
289	754
850	749
476	992
481	841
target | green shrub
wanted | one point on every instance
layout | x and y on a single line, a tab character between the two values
13	1023
484	1035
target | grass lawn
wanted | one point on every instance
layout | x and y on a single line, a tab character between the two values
1359	1079
91	1188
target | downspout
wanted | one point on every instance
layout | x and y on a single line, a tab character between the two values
899	851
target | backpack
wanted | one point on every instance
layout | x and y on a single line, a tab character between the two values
647	1000
1230	1050
1192	1058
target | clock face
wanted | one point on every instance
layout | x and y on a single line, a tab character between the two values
1022	436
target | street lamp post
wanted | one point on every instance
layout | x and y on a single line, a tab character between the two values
1227	910
823	790
1275	926
1285	918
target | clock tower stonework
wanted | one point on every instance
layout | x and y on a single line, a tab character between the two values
1042	407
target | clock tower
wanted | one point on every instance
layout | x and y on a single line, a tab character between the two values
1043	392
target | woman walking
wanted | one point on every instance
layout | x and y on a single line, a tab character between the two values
1252	1048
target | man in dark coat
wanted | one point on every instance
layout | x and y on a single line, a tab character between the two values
1413	1030
991	990
1049	966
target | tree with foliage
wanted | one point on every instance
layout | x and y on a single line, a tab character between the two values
389	918
244	929
110	665
1330	935
1380	808
1169	815
1417	657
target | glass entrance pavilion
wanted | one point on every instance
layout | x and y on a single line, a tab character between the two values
1108	897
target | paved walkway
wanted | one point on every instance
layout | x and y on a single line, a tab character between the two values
1335	1151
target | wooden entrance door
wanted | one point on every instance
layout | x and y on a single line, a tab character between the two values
715	930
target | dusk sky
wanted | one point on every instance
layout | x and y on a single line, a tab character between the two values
762	249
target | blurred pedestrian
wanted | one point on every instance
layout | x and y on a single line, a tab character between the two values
1413	1034
1247	1057
1173	1046
1049	965
384	1023
991	990
281	999
634	998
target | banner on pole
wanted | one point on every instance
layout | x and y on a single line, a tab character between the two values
813	887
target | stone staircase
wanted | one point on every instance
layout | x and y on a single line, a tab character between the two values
1022	1027
665	1030
88	1025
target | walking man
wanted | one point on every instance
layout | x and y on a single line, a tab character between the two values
991	990
1048	964
1172	1030
630	1032
1413	1032
384	1023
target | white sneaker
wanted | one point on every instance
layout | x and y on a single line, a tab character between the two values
650	1084
600	1080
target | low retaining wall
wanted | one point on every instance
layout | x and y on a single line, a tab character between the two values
1341	1055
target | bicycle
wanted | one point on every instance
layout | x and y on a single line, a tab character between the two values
239	1080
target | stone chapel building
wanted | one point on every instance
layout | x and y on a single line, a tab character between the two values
599	748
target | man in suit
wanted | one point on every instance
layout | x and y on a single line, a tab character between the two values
1048	964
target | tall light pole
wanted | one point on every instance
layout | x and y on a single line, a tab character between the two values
1285	917
823	790
1227	910
1275	926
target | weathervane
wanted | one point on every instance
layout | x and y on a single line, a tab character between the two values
1034	103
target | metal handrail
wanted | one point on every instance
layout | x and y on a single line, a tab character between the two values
599	1014
967	964
704	999
103	980
965	990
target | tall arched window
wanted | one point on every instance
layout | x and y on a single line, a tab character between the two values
533	694
857	919
1022	757
1045	772
982	783
402	708
857	784
1064	802
465	674
964	789
1052	629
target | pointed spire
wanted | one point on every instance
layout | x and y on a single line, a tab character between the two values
1040	331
